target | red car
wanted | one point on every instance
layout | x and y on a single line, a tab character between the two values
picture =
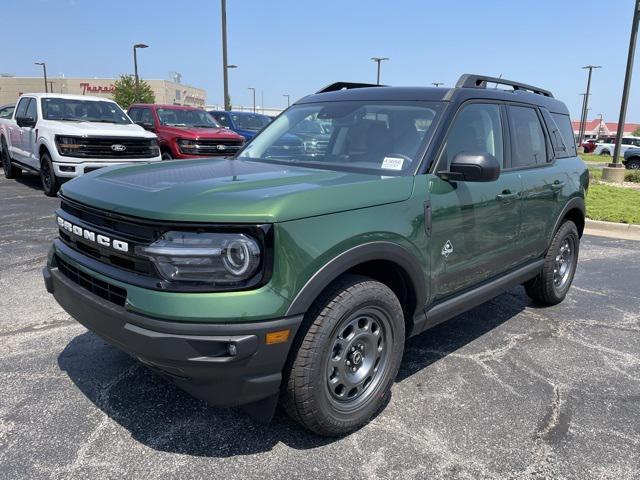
589	146
186	132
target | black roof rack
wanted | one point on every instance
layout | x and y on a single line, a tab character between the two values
469	80
346	86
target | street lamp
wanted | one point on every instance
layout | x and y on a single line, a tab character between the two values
378	60
585	108
254	98
44	68
135	67
288	99
225	66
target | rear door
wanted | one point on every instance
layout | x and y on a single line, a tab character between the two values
532	157
475	225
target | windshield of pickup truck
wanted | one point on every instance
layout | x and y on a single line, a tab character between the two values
177	117
370	137
71	110
250	121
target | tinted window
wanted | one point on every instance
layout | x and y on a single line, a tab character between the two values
564	124
22	107
32	109
527	137
146	116
72	110
134	114
6	112
220	118
476	129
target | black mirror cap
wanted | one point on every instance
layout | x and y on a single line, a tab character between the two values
26	121
475	167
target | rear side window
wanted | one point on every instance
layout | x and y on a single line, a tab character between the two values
564	124
476	129
528	143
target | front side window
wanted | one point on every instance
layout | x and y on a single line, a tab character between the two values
476	129
221	118
249	121
529	146
146	116
179	117
22	107
32	109
72	110
378	138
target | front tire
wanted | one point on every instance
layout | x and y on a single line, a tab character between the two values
50	183
166	155
344	366
633	164
605	153
553	282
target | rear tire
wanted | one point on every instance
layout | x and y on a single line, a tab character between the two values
633	164
553	282
50	183
345	364
605	153
10	170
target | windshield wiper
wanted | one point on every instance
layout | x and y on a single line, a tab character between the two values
204	126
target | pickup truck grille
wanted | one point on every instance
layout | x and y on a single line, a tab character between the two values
210	147
107	147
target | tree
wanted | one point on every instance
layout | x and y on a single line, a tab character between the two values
636	132
125	91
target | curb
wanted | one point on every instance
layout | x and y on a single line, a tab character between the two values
623	231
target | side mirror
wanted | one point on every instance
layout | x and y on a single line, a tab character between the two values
26	121
146	126
473	167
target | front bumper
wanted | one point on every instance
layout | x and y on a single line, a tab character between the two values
70	167
196	357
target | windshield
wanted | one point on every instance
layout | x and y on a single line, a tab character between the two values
177	117
380	137
72	110
251	121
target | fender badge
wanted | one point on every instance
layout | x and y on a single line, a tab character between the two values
447	249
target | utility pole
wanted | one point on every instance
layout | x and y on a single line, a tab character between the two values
225	68
254	98
586	102
627	86
288	99
600	126
378	60
135	68
44	69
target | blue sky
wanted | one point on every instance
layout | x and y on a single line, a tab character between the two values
295	47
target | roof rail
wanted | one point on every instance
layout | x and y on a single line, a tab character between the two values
469	80
346	86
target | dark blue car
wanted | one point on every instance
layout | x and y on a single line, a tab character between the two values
247	124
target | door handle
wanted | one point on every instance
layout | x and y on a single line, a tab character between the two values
557	185
506	196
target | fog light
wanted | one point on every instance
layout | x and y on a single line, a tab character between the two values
67	168
279	336
232	349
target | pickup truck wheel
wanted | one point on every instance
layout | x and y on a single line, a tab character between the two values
552	284
10	171
166	155
50	183
605	153
344	367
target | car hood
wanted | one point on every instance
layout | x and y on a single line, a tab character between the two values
98	129
231	191
198	133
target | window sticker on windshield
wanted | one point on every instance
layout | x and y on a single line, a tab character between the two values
392	163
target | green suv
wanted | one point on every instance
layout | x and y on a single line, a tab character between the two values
296	275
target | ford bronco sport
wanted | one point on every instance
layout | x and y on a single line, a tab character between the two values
298	277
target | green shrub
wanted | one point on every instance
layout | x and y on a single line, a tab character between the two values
632	176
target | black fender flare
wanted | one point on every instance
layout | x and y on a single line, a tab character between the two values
573	203
379	250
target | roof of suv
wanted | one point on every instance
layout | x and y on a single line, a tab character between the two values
461	92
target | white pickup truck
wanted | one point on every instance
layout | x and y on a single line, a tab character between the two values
63	136
607	148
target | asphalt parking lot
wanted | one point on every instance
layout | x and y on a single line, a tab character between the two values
507	390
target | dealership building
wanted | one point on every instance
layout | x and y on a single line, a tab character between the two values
166	92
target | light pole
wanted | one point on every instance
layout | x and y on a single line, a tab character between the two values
44	69
288	99
627	86
254	98
135	68
378	60
225	67
585	104
437	84
227	102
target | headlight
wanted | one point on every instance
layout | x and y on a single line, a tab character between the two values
188	146
212	258
154	147
68	145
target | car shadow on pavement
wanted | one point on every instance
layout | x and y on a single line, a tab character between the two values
163	417
30	180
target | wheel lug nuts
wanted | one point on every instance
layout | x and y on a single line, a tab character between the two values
348	363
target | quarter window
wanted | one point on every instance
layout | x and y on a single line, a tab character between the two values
528	142
564	124
476	129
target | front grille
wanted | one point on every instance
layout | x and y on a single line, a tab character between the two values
109	147
98	287
211	147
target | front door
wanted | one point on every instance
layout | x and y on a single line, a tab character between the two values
29	137
475	225
15	132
